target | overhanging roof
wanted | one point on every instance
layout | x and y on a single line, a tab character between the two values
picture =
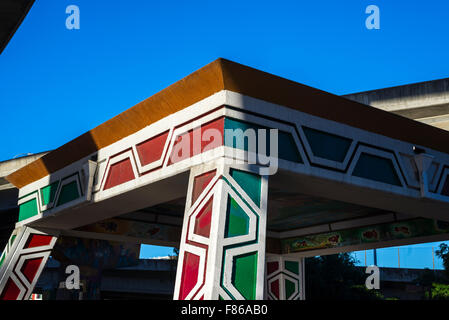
12	13
227	75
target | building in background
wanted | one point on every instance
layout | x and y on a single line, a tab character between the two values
149	279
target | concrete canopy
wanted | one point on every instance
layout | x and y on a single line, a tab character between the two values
227	76
220	75
345	176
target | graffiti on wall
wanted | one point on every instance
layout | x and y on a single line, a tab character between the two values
382	232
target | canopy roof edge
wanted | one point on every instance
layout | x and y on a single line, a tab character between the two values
223	74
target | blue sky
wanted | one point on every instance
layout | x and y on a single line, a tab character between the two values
56	84
413	256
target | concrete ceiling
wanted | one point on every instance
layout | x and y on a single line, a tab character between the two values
12	13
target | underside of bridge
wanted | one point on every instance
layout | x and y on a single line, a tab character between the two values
298	224
247	173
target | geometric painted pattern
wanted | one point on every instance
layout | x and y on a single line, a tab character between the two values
225	213
195	248
151	150
287	149
51	195
417	227
298	144
241	244
321	142
303	145
8	246
284	278
23	262
376	168
222	249
120	172
233	198
327	146
164	149
345	154
223	237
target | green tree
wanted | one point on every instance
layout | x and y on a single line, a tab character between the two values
335	277
425	280
443	253
176	253
438	291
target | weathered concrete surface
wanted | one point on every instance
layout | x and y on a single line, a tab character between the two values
151	278
9	209
427	102
404	274
9	166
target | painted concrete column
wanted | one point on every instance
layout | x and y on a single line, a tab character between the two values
22	262
222	250
284	278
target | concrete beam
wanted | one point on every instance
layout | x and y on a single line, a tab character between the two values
9	166
410	96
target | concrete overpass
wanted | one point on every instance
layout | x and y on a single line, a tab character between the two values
9	210
427	101
12	13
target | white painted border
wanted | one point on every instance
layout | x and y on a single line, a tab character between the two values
239	101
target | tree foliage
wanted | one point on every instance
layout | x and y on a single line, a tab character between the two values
335	277
436	288
438	291
443	253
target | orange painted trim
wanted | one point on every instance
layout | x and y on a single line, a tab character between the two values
227	75
193	88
